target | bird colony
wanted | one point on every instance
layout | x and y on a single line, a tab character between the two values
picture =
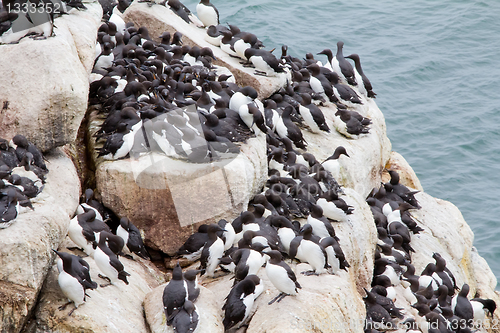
159	95
22	175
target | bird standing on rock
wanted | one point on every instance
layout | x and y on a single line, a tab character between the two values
132	238
342	67
108	262
332	163
265	62
174	294
364	85
281	276
74	279
212	251
239	303
207	13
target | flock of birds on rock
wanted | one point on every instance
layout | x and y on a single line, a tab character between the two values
22	177
169	98
268	233
93	235
432	293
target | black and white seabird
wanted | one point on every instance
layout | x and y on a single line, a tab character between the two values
342	67
265	62
38	23
212	251
320	84
321	226
482	307
364	84
74	279
353	126
191	277
253	118
247	40
248	260
174	294
227	42
192	247
239	303
335	255
345	94
312	115
286	230
332	163
281	276
375	311
81	233
207	13
241	97
91	203
21	143
186	320
306	250
331	210
108	262
461	306
8	207
132	238
119	144
286	128
183	12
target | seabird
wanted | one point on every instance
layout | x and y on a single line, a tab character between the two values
281	276
207	13
74	279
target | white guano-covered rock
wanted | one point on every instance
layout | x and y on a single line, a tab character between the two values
26	250
44	88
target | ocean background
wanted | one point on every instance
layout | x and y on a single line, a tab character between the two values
435	66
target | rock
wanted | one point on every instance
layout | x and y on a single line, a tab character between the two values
368	154
407	176
115	308
168	199
208	309
159	18
326	303
446	232
26	251
49	109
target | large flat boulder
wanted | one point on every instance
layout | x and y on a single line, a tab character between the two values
26	251
158	18
45	82
168	198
